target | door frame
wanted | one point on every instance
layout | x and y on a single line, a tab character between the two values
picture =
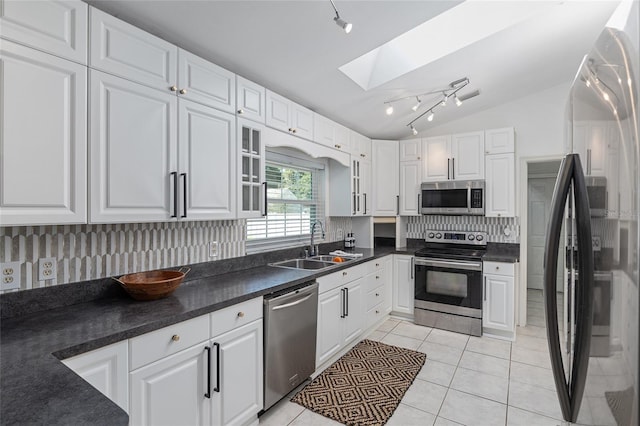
524	217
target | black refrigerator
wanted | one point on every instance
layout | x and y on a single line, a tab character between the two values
591	250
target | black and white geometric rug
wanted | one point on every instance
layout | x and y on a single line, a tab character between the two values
364	386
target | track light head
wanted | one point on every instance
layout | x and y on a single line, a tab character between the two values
389	109
413	130
416	106
430	116
346	26
444	101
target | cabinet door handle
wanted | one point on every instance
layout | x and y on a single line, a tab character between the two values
484	292
589	161
240	111
419	206
453	168
264	184
184	194
208	392
175	194
217	388
365	203
342	308
397	205
448	168
183	91
354	203
412	266
173	88
346	296
337	146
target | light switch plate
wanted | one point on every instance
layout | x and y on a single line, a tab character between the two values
10	273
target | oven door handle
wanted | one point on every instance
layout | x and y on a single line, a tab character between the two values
470	266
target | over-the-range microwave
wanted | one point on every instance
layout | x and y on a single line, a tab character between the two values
464	197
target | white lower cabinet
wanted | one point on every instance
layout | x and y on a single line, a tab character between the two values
215	381
498	299
403	284
377	288
237	393
172	391
106	369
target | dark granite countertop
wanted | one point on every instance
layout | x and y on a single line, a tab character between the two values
37	388
502	252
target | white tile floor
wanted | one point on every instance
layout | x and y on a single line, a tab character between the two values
465	380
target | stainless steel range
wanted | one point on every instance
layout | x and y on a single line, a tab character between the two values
448	281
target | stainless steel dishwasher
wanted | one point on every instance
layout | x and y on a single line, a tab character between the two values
290	321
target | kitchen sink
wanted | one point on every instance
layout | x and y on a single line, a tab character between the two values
310	264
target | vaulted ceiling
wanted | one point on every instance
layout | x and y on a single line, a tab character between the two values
294	48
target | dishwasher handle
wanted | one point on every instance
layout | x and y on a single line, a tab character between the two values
297	302
279	301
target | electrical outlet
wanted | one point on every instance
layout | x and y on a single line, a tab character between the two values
213	249
339	234
10	276
47	268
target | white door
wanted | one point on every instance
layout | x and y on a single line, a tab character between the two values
354	315
403	290
467	156
278	112
342	138
436	158
410	149
171	391
251	184
329	338
386	188
250	100
133	154
497	312
356	182
410	180
207	157
58	27
240	392
43	138
301	121
540	191
204	82
500	185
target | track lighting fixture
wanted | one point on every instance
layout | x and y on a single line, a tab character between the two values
447	92
416	106
413	130
389	109
346	26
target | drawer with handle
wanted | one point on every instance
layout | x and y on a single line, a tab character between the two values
499	268
375	297
235	316
167	341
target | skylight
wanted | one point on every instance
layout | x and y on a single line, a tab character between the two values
442	35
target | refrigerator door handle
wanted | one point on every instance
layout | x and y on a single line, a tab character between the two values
584	291
552	244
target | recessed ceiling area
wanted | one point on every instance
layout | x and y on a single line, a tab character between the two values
295	49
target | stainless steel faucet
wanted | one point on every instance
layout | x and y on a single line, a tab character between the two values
313	250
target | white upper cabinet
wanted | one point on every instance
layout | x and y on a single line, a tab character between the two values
467	156
207	157
331	134
129	52
385	176
251	184
455	157
133	146
360	145
56	27
437	160
410	149
43	138
285	115
499	141
410	181
500	185
250	100
201	81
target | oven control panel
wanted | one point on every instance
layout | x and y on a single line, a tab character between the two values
456	237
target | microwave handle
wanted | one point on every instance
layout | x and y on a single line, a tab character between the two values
453	169
469	198
448	168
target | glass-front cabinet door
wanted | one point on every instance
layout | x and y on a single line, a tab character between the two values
251	183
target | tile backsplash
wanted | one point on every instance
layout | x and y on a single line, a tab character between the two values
495	227
85	252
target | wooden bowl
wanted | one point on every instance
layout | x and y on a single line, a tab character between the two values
152	285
